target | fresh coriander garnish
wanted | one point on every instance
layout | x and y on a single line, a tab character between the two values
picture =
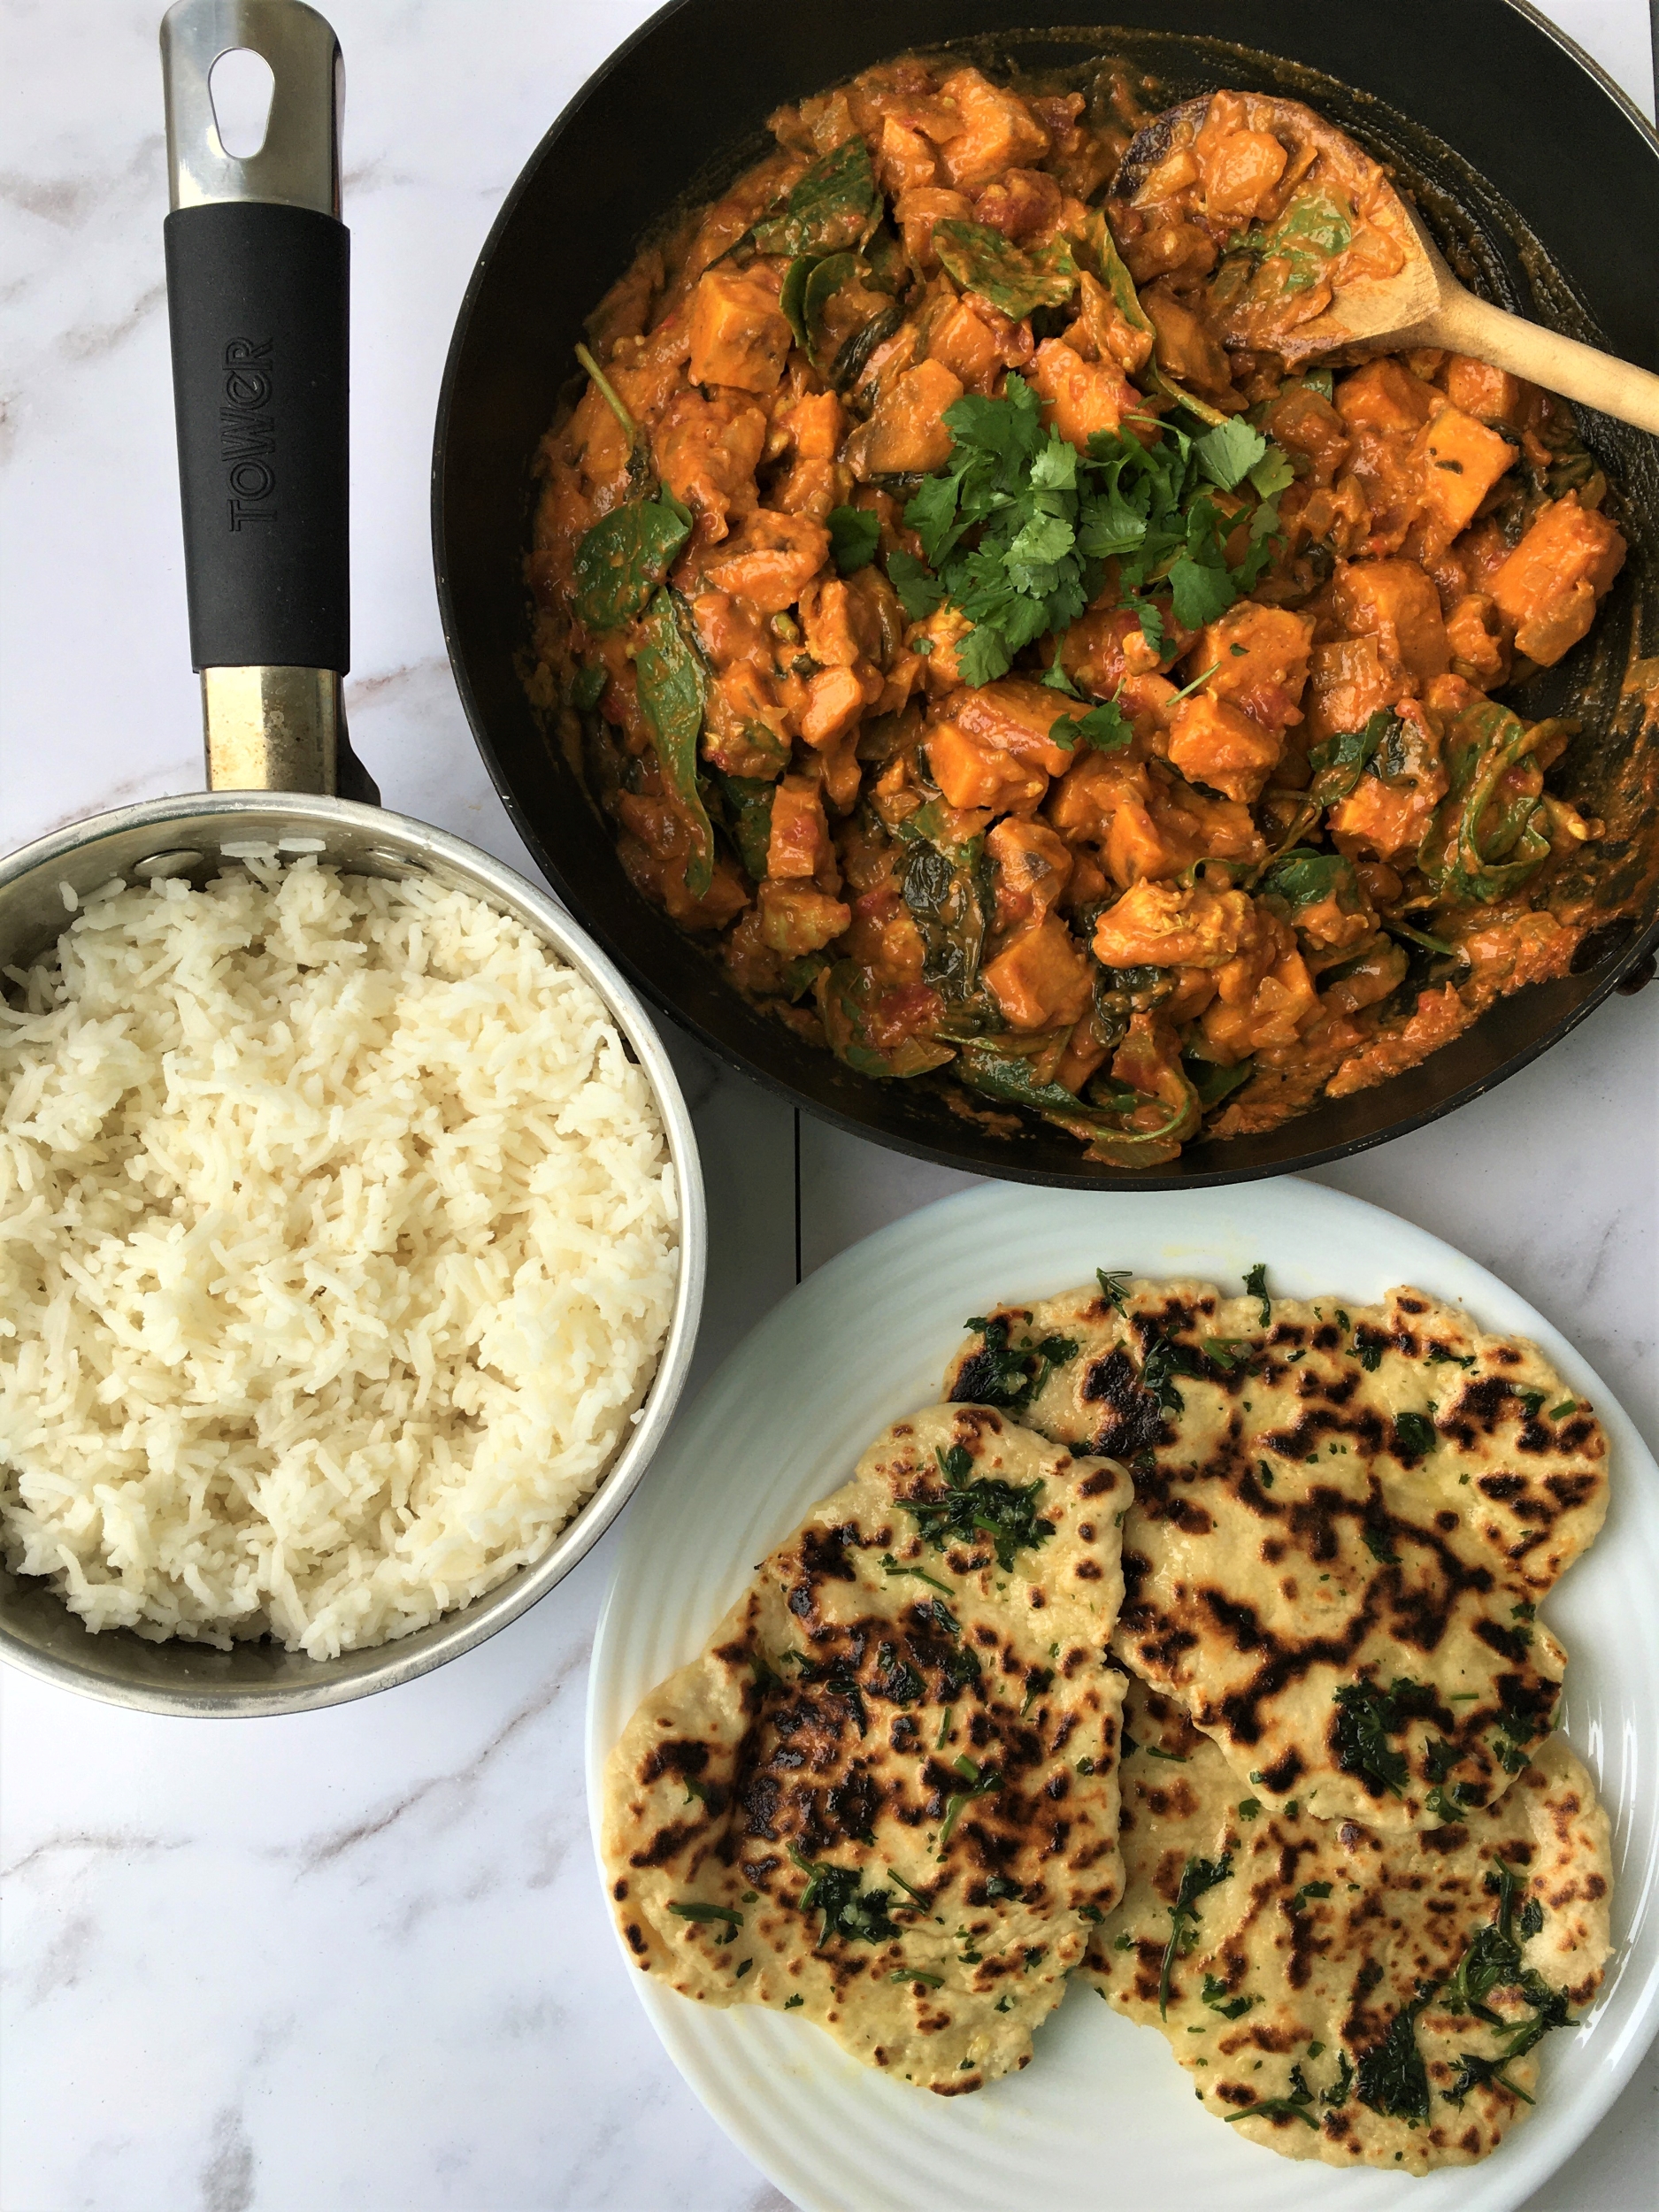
856	1915
727	1916
1299	1902
1292	2105
1217	1996
1392	2079
1367	1716
789	2003
1005	1512
1176	1758
1255	1286
890	1566
1250	1808
1567	1406
1114	1286
1197	1876
982	1782
1415	1436
915	1974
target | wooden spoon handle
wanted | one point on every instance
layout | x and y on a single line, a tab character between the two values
1561	364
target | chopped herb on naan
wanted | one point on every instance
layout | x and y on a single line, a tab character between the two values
885	1797
1344	1519
1339	1993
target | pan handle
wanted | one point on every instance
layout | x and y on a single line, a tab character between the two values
258	299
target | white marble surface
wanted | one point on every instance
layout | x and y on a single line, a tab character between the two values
358	1961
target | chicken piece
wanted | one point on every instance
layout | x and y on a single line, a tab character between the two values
1475	638
799	848
1033	867
1348	680
1103	332
796	917
1384	396
1079	397
907	434
1105	646
1260	658
1087	798
1017	716
836	697
998	131
770	560
1215	743
967	346
904	160
1264	996
739	333
1395	602
1460	460
971	773
1170	926
1188	349
1305	422
747	730
1040	979
1487	394
1550	586
840	624
707	451
1239	167
1023	204
917	210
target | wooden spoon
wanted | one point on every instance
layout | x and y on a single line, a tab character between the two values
1421	303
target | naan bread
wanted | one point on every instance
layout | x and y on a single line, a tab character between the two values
1322	1962
887	1795
1343	1522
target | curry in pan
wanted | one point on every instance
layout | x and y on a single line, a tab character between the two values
1027	666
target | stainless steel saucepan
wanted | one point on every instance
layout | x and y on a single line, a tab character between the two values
258	291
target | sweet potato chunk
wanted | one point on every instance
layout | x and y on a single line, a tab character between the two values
1239	167
836	699
1168	925
998	131
770	560
1017	716
739	334
1084	800
800	842
918	209
795	917
1549	587
1212	742
1347	681
971	773
1487	394
1385	395
906	434
1032	868
1079	397
1395	602
1460	460
1041	979
967	346
1381	821
904	160
1260	657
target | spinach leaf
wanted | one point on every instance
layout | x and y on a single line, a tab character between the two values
1303	876
1014	281
844	992
748	806
1097	252
835	204
950	899
625	556
1339	762
854	533
1392	2077
1475	850
672	689
1197	1876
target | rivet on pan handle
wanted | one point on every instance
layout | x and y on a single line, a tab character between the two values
257	298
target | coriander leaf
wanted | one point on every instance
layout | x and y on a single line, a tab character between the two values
1114	1285
982	656
1105	728
854	533
1199	594
1054	469
1228	454
1272	475
919	591
931	512
1197	1876
856	1916
1255	1286
1392	2078
727	1915
1415	1437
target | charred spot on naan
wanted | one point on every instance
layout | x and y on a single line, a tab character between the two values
1326	1496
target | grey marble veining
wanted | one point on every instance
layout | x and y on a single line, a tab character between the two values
358	1961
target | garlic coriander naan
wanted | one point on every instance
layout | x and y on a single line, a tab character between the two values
1343	1994
886	1795
1344	1519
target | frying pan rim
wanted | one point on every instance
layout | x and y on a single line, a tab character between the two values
1638	950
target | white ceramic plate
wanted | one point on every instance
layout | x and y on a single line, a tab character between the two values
1102	2116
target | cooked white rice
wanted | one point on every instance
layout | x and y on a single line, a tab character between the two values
338	1241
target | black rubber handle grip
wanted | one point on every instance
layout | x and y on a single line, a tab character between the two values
258	301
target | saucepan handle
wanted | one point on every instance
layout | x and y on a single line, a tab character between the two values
257	298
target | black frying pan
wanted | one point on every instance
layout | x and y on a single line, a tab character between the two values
1542	183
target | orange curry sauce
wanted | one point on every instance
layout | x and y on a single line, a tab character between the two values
1111	926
